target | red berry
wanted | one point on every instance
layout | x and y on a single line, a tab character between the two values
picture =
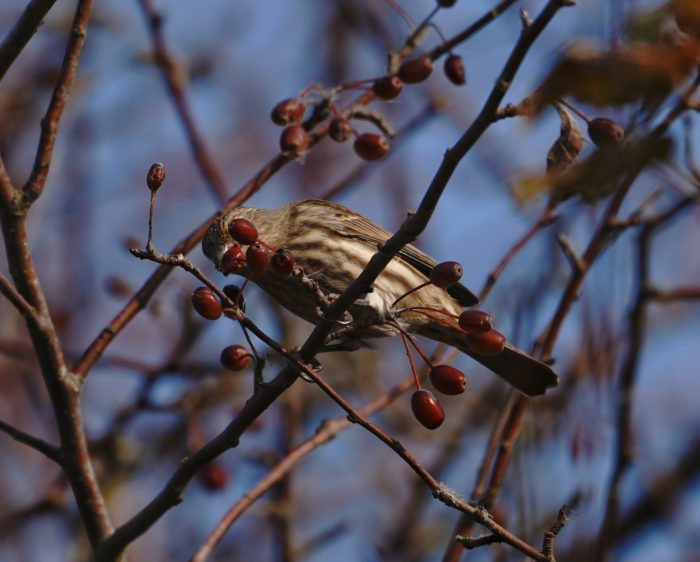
213	476
340	129
294	141
370	146
206	303
448	380
258	258
387	87
235	357
454	70
416	70
155	176
233	260
446	274
605	132
475	321
282	262
288	112
234	293
446	3
427	409
243	231
486	343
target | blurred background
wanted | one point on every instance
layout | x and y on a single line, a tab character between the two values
159	392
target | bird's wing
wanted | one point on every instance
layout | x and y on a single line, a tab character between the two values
357	227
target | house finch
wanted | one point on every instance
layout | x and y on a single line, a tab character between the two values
332	244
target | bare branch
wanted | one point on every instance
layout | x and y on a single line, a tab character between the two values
554	530
49	124
23	30
46	449
24	308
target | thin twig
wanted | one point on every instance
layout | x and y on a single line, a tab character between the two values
599	241
551	534
176	88
624	452
7	289
470	544
327	431
570	254
49	451
50	122
23	30
546	218
63	387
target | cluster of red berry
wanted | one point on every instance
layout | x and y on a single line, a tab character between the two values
257	259
289	113
477	326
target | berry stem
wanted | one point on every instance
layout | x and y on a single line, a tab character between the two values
438	31
356	84
409	292
442	321
430	309
410	359
572	108
424	23
240	292
408	19
151	205
310	88
415	345
273	250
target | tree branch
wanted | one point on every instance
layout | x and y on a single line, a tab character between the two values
23	30
49	124
46	449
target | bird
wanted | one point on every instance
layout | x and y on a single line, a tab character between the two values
331	245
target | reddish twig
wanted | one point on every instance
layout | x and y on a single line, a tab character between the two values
440	492
46	449
17	300
546	218
484	20
636	322
176	88
63	387
551	534
327	431
49	124
23	30
464	523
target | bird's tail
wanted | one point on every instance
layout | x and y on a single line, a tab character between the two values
523	372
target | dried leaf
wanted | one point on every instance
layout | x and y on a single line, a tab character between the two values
530	106
601	173
640	71
567	147
597	176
